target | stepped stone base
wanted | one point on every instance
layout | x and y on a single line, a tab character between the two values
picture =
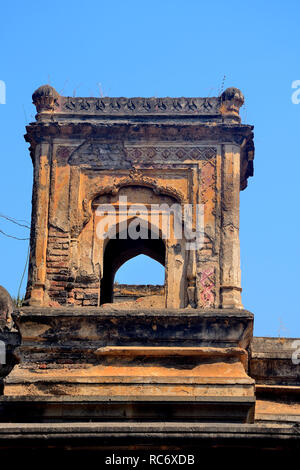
133	365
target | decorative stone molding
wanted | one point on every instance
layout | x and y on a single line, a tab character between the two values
98	154
141	106
135	178
169	153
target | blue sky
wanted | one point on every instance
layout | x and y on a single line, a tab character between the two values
168	48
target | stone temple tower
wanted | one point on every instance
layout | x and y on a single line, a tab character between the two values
89	151
139	158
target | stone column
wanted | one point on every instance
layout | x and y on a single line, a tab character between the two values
230	243
39	233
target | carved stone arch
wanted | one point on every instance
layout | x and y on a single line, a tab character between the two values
123	182
137	178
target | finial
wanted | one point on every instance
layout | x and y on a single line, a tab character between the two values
232	99
45	98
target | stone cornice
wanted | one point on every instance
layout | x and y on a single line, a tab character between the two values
214	119
50	105
238	134
235	133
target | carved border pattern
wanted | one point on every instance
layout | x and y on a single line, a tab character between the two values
146	106
207	276
135	155
168	154
206	288
208	180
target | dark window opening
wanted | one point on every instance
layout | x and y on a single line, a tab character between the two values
119	251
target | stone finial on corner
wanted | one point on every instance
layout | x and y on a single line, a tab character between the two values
45	99
231	101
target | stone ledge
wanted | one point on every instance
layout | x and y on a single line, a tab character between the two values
114	311
154	427
279	390
170	351
120	399
100	327
156	435
276	418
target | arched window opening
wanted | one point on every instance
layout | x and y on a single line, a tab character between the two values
120	251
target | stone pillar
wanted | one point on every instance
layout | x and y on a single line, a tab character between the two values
40	223
230	243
